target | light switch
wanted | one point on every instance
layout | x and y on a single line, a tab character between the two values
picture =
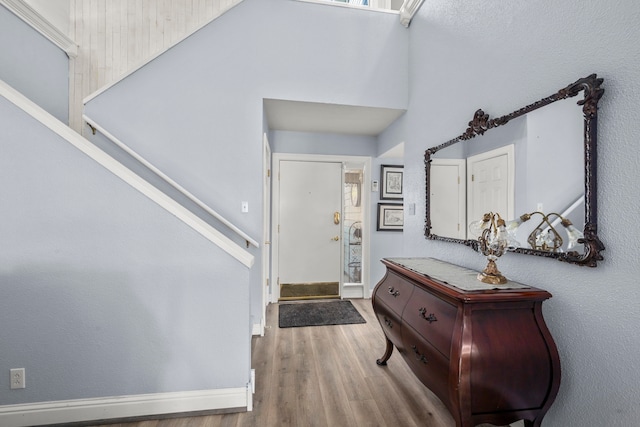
245	207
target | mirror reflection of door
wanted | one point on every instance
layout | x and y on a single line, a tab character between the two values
310	231
447	194
490	184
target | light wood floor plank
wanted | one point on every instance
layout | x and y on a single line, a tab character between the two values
334	395
367	413
310	412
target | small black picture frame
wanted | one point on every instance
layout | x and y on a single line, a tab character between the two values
392	179
390	217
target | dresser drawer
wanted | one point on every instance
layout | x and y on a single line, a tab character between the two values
394	292
432	317
427	363
390	322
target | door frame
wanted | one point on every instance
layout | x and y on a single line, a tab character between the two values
275	214
266	230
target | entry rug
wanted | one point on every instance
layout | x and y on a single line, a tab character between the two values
295	315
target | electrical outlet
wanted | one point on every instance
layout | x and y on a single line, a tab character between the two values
17	378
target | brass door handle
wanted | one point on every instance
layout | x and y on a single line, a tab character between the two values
336	217
335	239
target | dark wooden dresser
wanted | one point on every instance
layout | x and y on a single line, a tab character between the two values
484	350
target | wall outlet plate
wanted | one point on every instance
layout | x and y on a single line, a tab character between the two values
17	378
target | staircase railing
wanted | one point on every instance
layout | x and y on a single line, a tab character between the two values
249	240
128	176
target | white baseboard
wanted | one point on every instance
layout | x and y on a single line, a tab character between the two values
258	329
352	291
71	411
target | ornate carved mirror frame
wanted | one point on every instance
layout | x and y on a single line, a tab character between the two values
592	92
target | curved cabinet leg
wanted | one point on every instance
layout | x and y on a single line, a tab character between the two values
387	354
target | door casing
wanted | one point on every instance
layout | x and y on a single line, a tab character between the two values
275	214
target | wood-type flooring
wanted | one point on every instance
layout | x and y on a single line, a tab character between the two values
326	376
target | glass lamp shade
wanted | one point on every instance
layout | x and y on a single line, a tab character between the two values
512	226
574	234
512	231
477	227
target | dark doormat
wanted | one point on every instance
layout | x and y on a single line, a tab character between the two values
318	314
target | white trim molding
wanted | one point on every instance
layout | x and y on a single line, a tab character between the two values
408	10
40	24
353	290
122	172
110	408
257	329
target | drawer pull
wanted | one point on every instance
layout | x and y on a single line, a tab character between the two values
419	356
393	291
430	318
388	322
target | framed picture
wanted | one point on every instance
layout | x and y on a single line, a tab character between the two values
391	178
390	216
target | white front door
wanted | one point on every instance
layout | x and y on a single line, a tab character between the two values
310	222
491	180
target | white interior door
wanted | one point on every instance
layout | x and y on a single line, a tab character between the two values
310	206
491	180
447	197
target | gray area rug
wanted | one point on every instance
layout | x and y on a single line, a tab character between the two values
318	314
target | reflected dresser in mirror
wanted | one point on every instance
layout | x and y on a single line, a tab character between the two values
484	350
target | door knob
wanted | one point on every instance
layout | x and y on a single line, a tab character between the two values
336	217
335	239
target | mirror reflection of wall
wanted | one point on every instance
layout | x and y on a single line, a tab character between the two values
352	224
548	175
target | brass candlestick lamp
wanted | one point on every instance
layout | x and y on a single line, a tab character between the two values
493	241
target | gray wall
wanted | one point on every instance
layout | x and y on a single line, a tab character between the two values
102	292
323	143
384	244
500	56
200	104
33	65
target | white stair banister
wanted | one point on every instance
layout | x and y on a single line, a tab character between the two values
126	175
170	181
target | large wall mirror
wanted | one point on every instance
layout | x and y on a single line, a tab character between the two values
535	167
